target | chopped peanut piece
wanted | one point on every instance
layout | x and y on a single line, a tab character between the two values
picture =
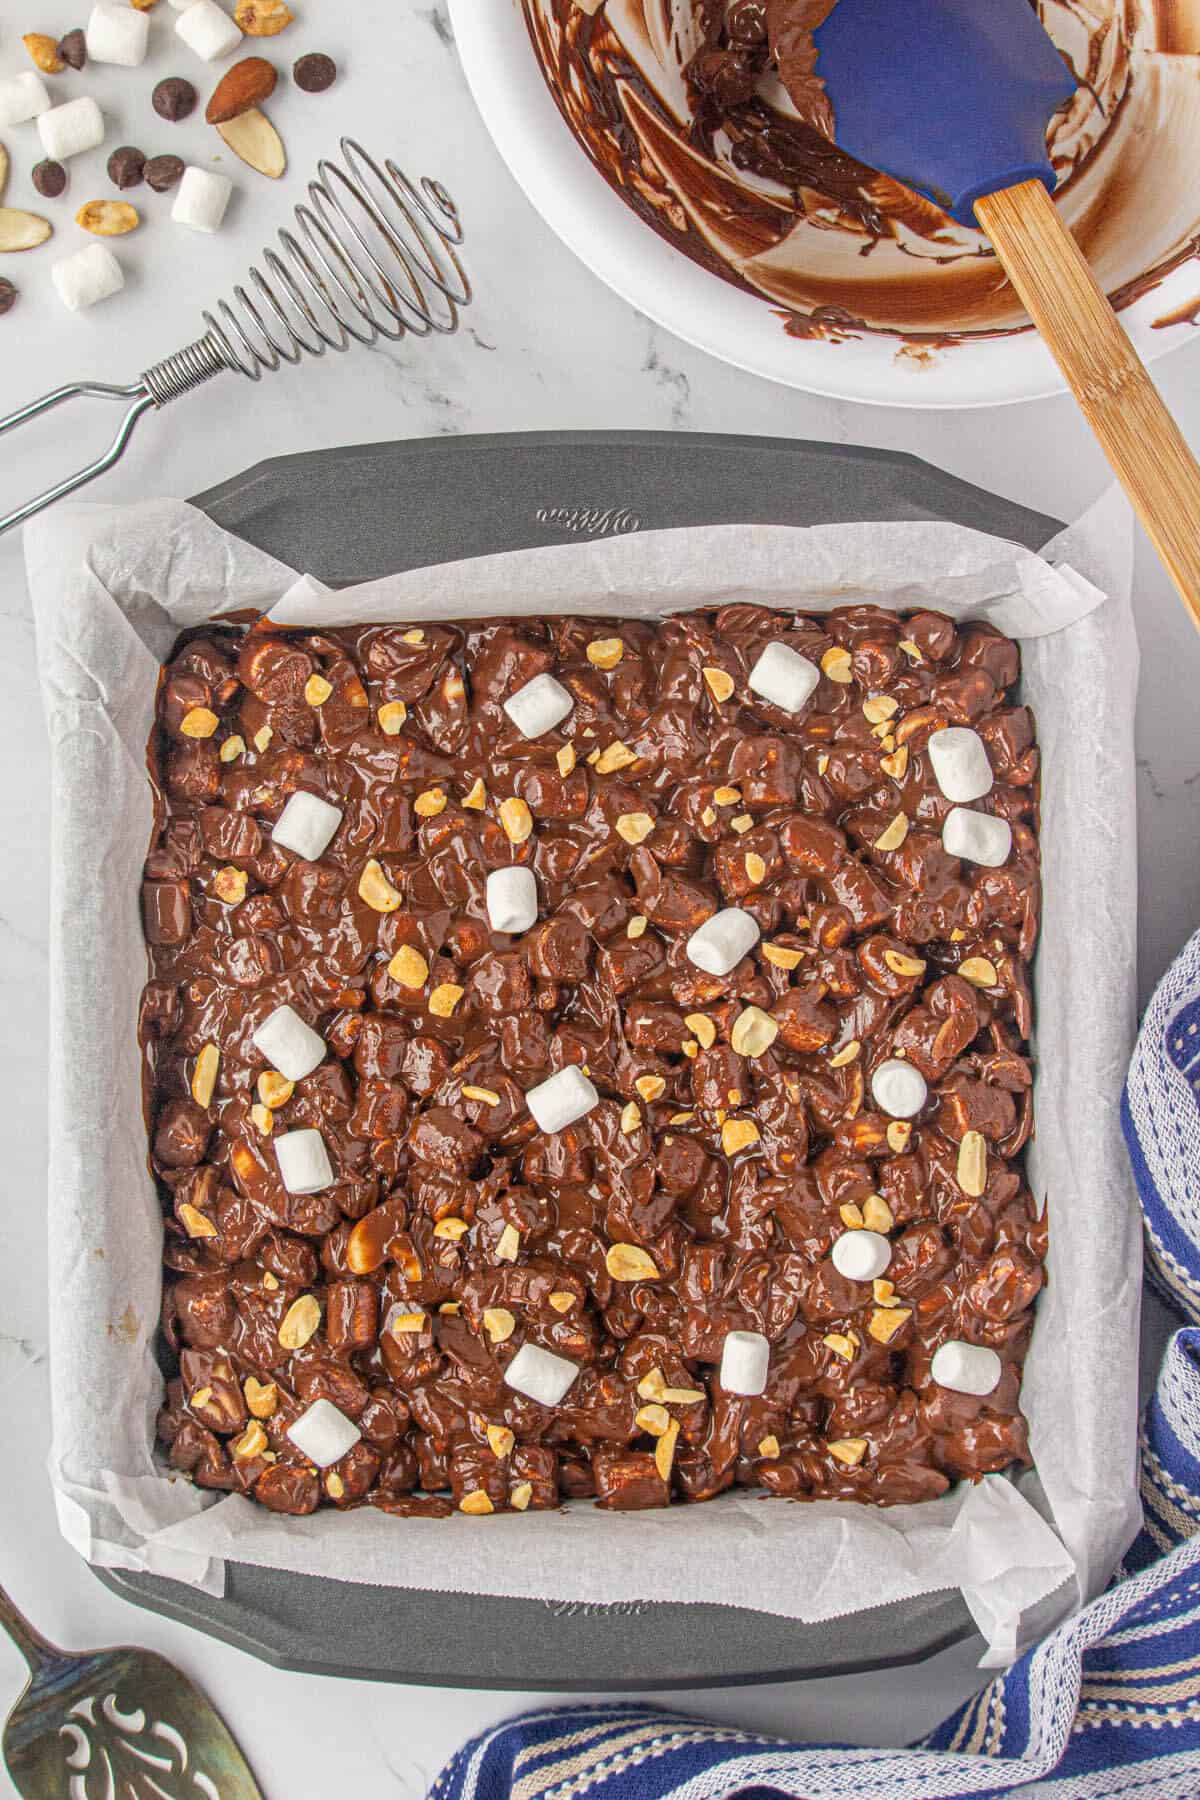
430	803
335	1487
476	1502
391	716
408	967
204	1075
635	827
738	1134
300	1322
476	800
727	796
756	868
836	664
650	1087
847	1054
719	683
605	653
899	1135
444	998
562	1300
664	1450
886	1322
894	835
627	1262
317	690
451	1230
565	758
631	1118
195	1223
851	1216
262	739
972	1171
896	765
841	1345
879	708
900	964
200	722
501	1440
274	1089
652	1386
375	888
703	1028
232	748
485	1096
782	956
636	926
413	636
980	971
754	1031
499	1323
911	650
230	884
616	756
508	1245
521	1495
252	1443
883	1291
263	1119
768	1447
848	1450
742	823
653	1418
877	1214
407	1324
516	819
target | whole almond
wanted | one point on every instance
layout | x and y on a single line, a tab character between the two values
21	230
245	85
253	137
262	18
108	218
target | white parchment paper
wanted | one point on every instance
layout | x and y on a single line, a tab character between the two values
111	589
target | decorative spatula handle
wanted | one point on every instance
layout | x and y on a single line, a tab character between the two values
37	1650
1146	448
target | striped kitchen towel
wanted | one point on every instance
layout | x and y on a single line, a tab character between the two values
1106	1707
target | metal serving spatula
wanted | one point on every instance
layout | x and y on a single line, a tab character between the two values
115	1725
953	97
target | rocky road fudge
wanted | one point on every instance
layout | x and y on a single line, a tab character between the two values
588	1057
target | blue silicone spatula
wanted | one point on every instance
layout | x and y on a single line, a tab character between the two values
953	97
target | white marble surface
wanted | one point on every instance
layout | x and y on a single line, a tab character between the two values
546	346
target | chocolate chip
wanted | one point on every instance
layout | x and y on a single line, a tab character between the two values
162	172
73	49
314	73
174	98
126	166
50	179
8	295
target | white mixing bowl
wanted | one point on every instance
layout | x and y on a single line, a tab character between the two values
1133	199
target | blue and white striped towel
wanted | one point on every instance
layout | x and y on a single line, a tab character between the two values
1107	1707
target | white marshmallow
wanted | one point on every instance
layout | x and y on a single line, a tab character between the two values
203	196
899	1089
723	940
512	899
88	276
861	1255
22	97
966	1368
784	677
324	1433
960	763
744	1362
540	1374
303	1162
208	31
118	34
306	826
539	706
290	1045
557	1103
182	5
72	128
977	837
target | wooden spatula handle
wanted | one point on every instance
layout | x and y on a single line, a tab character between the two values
1108	378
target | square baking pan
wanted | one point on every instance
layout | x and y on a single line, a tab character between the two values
354	514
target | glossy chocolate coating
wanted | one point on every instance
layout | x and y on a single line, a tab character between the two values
748	806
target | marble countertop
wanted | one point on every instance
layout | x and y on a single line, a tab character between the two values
545	346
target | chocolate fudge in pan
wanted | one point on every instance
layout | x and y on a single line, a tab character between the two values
587	1057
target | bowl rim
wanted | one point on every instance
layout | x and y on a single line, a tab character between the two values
554	171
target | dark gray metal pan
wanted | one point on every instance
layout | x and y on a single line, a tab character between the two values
349	515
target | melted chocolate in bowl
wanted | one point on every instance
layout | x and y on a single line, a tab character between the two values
748	187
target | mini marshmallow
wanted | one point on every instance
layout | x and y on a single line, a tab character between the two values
70	129
977	837
324	1433
557	1103
118	34
960	763
966	1368
723	940
899	1089
290	1045
306	826
303	1162
540	1374
861	1255
744	1362
203	196
512	899
208	31
784	677
87	277
539	706
22	97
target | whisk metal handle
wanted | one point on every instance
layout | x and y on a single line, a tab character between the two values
371	256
